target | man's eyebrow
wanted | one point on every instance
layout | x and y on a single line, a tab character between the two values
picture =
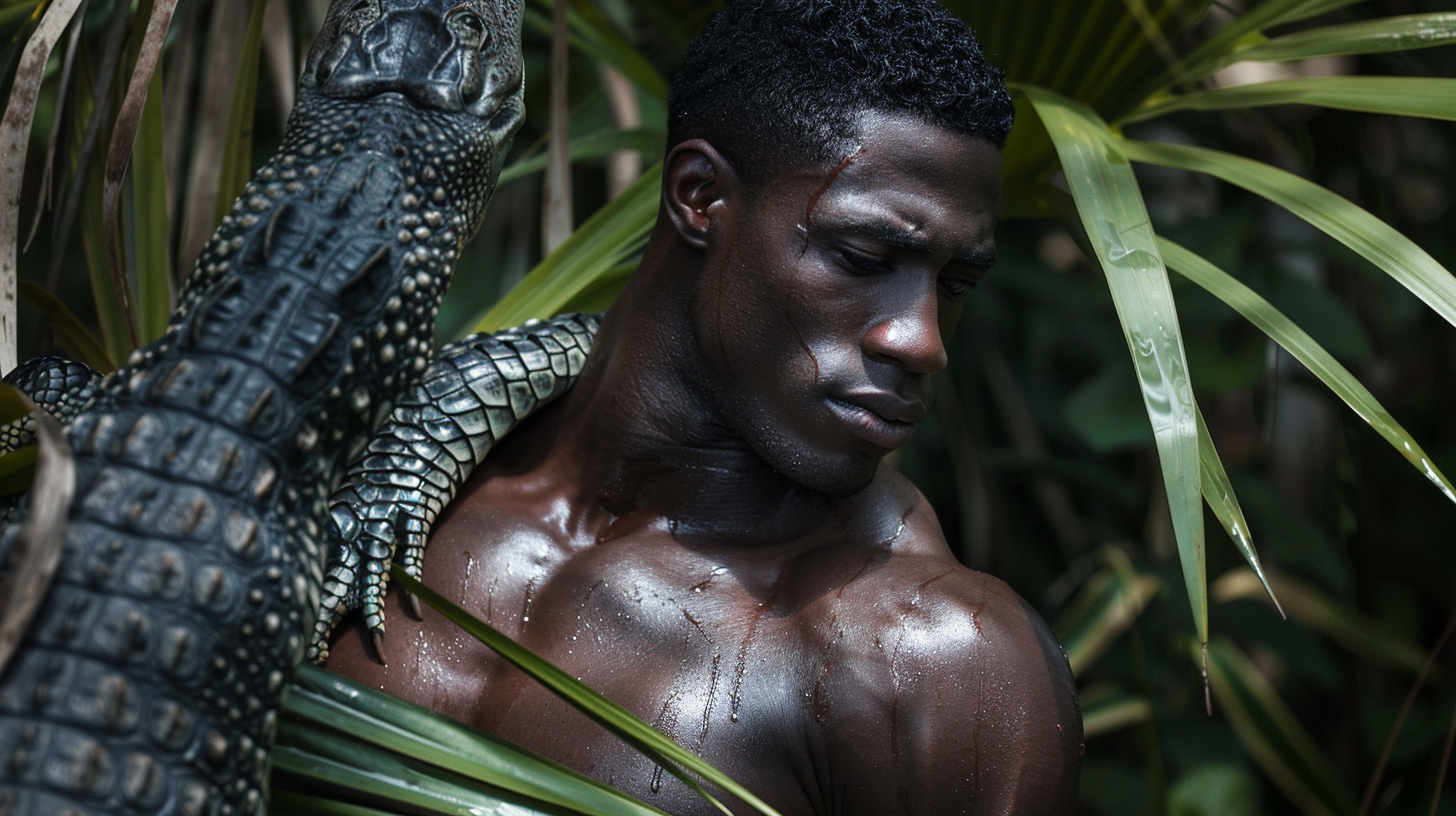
976	258
892	235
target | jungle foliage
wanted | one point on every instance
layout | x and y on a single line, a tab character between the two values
1290	162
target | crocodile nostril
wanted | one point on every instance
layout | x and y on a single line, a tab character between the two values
333	60
472	84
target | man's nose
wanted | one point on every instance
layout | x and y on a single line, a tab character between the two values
911	336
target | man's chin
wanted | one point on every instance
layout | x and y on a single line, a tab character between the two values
839	478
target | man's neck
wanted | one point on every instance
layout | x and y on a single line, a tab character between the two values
639	435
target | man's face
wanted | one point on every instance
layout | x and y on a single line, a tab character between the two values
827	299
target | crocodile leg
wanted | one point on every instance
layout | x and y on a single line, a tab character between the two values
63	388
476	391
193	562
58	386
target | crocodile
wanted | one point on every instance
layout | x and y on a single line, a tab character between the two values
193	561
475	391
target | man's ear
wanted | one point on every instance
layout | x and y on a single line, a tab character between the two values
698	186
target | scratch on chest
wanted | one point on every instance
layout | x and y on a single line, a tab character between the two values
735	698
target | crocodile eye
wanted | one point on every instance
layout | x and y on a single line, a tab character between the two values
360	14
363	8
469	28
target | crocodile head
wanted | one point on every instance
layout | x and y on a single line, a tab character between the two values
457	62
404	111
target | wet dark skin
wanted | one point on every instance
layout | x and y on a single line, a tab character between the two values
704	529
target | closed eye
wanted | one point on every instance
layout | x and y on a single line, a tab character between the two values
956	288
861	263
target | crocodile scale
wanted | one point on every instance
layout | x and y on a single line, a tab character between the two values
192	568
476	390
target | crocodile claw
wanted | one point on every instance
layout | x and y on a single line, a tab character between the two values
367	535
474	393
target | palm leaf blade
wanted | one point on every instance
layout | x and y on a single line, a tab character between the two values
15	137
593	36
153	254
591	146
359	713
598	246
237	158
1429	97
1266	15
1106	709
1404	33
672	757
1342	220
1219	494
1355	631
1101	612
1116	221
1283	331
324	760
1273	735
71	334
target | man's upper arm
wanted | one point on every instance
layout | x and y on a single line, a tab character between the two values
982	710
1007	722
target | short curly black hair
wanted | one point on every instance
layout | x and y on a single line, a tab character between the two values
771	83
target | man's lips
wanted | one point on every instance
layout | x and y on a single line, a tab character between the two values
881	419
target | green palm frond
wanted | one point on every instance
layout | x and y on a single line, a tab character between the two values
1117	226
1095	159
362	744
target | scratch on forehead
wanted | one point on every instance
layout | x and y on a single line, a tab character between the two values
833	174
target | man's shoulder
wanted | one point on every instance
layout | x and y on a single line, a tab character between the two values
961	675
937	615
911	579
929	613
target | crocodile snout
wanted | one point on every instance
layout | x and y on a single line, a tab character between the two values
433	56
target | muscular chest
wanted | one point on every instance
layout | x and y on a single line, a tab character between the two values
686	641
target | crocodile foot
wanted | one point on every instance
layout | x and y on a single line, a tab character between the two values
475	392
